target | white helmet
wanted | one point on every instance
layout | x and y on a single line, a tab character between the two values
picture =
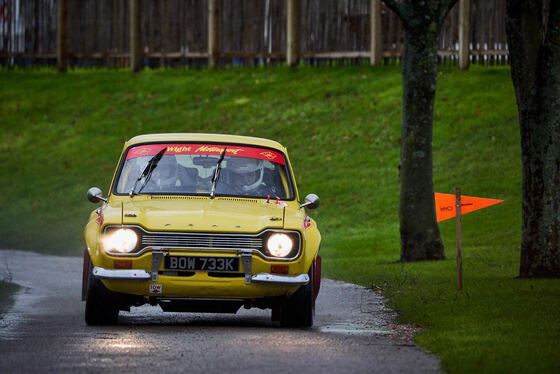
166	172
247	172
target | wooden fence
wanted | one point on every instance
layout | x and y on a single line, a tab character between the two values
175	32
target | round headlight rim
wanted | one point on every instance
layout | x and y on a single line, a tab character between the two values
279	245
294	253
111	230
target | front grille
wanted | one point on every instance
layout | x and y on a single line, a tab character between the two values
202	241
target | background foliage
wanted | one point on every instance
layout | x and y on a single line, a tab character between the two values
61	134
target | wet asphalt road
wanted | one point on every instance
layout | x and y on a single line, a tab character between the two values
45	332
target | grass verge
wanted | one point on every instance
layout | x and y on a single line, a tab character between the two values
61	134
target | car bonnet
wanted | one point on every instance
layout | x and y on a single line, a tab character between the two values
206	215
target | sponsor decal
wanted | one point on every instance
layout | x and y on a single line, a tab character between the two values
99	218
306	222
155	288
139	152
269	155
206	149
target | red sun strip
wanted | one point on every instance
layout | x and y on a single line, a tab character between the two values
206	149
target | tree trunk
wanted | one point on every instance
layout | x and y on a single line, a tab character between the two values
422	22
534	47
420	236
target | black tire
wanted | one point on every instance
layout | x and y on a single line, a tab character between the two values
102	306
299	309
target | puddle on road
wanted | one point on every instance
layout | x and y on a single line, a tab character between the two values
353	329
12	318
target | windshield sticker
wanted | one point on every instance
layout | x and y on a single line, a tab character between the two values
206	149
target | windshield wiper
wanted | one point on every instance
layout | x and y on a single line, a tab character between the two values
147	172
217	173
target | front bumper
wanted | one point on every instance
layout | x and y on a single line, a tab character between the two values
120	274
143	275
280	280
254	281
157	258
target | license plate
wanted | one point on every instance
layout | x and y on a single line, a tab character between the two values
199	263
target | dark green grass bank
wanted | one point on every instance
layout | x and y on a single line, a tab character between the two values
63	134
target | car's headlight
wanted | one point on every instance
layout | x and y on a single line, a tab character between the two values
279	245
120	241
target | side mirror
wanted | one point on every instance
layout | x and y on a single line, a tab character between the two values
95	195
311	201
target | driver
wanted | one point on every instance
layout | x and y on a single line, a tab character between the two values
165	175
246	175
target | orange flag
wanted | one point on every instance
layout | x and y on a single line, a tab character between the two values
445	205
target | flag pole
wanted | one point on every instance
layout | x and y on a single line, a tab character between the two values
459	244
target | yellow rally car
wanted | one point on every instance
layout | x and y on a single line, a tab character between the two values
202	223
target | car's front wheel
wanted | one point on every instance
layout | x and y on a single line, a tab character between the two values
299	309
102	306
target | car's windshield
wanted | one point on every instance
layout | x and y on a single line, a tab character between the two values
187	169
